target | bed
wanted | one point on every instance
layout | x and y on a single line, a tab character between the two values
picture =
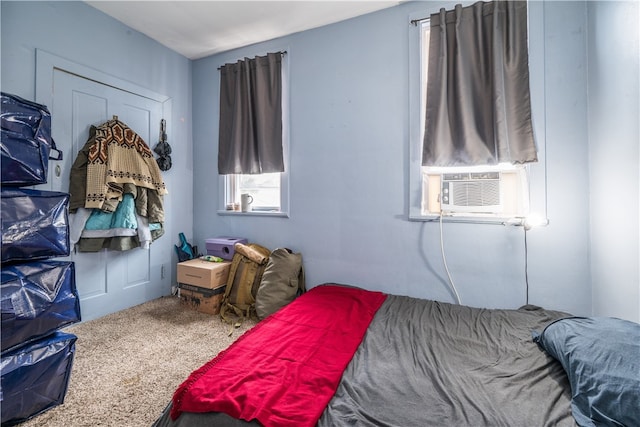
344	356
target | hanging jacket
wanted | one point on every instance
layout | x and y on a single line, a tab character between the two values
115	161
119	156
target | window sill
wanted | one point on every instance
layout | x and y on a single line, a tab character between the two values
470	219
278	214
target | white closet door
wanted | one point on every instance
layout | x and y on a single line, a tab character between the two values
108	280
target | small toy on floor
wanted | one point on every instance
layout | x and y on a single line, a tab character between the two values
211	258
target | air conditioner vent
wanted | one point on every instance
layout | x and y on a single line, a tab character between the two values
476	193
471	192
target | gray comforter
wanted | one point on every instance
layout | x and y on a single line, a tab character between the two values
425	363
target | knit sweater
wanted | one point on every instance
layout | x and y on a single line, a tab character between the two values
116	157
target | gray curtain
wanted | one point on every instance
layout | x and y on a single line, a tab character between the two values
478	104
250	131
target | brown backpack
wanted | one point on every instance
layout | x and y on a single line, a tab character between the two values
247	267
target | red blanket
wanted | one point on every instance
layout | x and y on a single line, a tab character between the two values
284	371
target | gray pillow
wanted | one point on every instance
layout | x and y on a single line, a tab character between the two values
601	356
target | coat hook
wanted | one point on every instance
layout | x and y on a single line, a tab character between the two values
115	117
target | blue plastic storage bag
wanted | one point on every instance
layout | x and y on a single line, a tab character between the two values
35	377
35	224
25	141
37	298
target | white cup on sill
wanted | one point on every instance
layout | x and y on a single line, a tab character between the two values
245	202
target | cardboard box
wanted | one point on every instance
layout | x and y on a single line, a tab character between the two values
203	300
223	247
205	274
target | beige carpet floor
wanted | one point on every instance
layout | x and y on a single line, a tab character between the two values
128	364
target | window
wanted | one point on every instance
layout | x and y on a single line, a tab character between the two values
263	188
491	193
269	191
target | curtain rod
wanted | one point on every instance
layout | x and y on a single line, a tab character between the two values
282	52
416	21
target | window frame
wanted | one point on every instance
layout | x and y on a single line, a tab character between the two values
536	173
232	195
227	184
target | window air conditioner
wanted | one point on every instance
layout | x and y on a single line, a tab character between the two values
471	192
489	193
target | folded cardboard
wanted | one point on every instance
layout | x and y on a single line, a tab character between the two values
203	300
223	247
205	274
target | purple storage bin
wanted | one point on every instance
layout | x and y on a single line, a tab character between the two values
223	247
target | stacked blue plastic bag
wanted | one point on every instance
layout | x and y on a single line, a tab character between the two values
26	142
38	295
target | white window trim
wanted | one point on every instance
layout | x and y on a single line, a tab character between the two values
536	172
224	185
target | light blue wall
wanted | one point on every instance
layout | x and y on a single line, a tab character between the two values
349	151
614	131
82	34
559	254
349	160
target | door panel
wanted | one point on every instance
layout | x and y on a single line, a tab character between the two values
107	281
90	276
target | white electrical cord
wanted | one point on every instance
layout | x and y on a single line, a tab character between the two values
526	266
444	260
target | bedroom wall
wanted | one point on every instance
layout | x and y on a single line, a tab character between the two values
614	132
349	97
349	152
77	32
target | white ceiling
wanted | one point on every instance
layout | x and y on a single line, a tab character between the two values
200	28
